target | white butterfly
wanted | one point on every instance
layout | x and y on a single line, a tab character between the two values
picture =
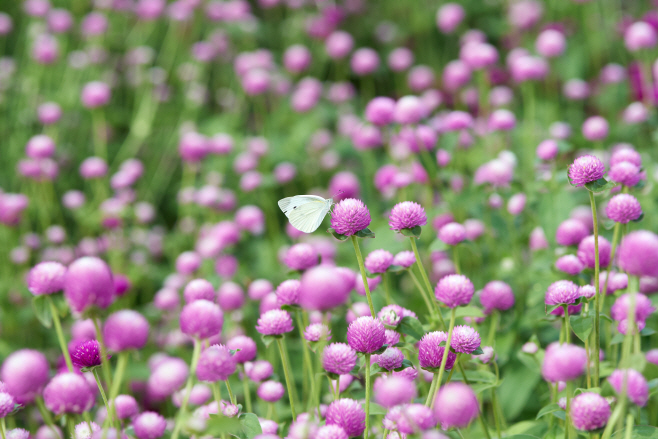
306	212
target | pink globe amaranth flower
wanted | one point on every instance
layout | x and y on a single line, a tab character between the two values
550	43
586	169
216	363
268	303
547	150
516	204
626	154
125	329
589	411
301	257
380	110
366	335
652	356
454	290
347	413
230	296
563	362
404	259
621	308
364	61
339	44
166	378
452	233
562	292
571	232
258	370
625	327
394	390
68	393
640	35
268	426
202	319
586	251
316	332
87	354
88	282
95	94
125	406
350	216
400	59
296	58
7	403
465	339
633	382
188	262
331	432
287	293
587	291
199	289
569	264
407	215
595	128
496	295
623	208
449	16
414	418
378	261
46	278
339	358
40	147
430	353
638	253
323	288
244	346
346	183
271	391
455	405
391	315
410	110
625	173
149	425
390	359
274	322
93	167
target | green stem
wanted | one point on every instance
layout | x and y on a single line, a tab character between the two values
288	375
430	306
362	267
217	392
60	334
308	365
612	421
230	393
494	409
196	353
615	241
567	426
110	414
247	393
429	401
426	279
104	361
98	125
45	414
122	362
493	324
387	287
629	427
455	258
567	330
597	308
366	432
446	351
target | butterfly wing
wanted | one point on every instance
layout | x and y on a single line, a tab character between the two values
290	204
308	216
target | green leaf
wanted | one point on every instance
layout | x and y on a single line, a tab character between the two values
550	309
41	309
438	246
376	409
548	409
478	351
396	268
582	326
639	432
522	436
219	424
268	339
482	376
609	224
580	390
618	338
380	350
468	311
374	370
290	308
600	185
405	364
560	414
647	331
413	232
365	233
250	425
411	326
337	235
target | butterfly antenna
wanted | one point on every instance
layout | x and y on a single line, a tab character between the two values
336	194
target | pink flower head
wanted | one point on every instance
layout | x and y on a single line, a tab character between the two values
301	257
338	358
244	346
638	253
149	425
562	292
378	261
454	290
456	405
586	169
571	232
274	322
198	289
379	111
125	329
569	264
46	278
452	233
390	359
589	411
496	295
586	251
316	332
633	383
324	287
271	391
430	353
407	215
24	373
350	216
202	319
88	282
404	259
347	413
465	339
625	173
216	363
287	293
563	362
394	390
68	393
366	335
621	308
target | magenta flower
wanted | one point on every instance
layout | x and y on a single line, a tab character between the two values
274	322
416	417
338	358
68	393
331	432
46	278
7	403
271	391
465	339
452	233
637	388
125	329
456	405
623	208
149	425
571	232
378	261
430	353
350	216
316	332
287	293
87	354
586	251
347	413
569	264
563	362
621	308
202	319
301	257
638	253
390	359
404	259
586	169
244	346
407	215
562	292
216	363
393	390
589	411
366	335
454	290
496	295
